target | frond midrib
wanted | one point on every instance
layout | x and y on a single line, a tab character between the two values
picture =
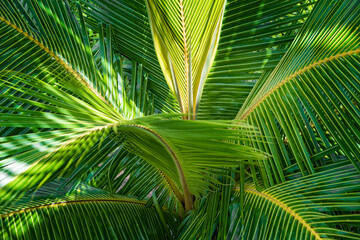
64	203
297	73
186	192
284	207
75	74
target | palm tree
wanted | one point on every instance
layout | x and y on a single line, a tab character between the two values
179	119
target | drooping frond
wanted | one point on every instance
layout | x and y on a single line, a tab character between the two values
86	214
190	152
186	151
129	175
77	115
81	159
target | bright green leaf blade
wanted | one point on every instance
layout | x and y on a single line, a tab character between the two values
185	42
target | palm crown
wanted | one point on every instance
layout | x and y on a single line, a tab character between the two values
153	119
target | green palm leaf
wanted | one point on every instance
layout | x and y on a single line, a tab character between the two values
85	214
167	144
254	37
211	217
321	206
308	106
81	158
63	99
129	175
131	19
185	43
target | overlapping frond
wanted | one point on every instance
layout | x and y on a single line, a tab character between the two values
210	219
308	107
129	175
321	206
254	37
53	106
86	214
189	152
57	31
42	92
126	82
78	79
50	92
55	35
186	151
132	38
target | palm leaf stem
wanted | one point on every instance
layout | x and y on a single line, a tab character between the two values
187	195
297	73
284	207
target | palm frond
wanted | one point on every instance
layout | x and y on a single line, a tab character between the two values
127	89
188	152
254	37
40	61
80	157
86	214
167	144
210	219
131	19
129	175
324	205
56	25
185	42
307	108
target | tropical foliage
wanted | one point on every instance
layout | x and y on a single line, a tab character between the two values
179	119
